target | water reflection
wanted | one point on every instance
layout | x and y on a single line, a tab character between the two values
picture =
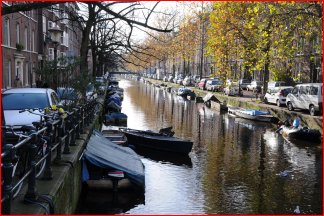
165	157
104	201
235	163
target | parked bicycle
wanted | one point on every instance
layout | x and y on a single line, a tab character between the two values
19	136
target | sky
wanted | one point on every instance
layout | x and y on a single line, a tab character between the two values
180	8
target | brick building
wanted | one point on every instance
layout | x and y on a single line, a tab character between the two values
26	44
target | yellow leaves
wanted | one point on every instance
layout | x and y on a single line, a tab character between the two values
272	9
256	9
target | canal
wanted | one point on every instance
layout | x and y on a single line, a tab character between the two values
236	166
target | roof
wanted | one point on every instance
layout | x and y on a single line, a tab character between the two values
27	90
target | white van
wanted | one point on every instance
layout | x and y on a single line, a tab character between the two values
306	96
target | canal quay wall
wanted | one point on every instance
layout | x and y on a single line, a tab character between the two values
282	113
64	189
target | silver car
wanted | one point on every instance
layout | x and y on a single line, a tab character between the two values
17	99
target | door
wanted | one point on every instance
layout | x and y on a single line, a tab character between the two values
294	97
303	98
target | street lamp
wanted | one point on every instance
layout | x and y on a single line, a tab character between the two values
55	39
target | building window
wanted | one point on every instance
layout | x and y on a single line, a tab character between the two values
9	74
33	74
50	24
26	38
44	24
18	33
26	74
51	54
33	41
6	33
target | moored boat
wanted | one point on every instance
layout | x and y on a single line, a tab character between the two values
251	114
116	118
114	135
211	101
184	92
102	157
157	141
301	133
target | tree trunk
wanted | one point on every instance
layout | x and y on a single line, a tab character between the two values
86	39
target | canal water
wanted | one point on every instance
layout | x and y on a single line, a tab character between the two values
236	166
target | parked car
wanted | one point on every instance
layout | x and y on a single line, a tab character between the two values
170	78
101	80
91	92
277	95
165	78
274	84
196	79
232	89
17	99
214	85
202	83
306	96
254	85
244	83
188	81
179	80
101	83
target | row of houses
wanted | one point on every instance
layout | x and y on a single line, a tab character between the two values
27	41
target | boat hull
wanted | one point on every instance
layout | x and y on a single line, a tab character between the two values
305	134
158	142
238	112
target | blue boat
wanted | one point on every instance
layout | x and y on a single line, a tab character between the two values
102	157
116	118
184	92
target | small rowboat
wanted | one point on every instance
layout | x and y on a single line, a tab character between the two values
184	92
116	118
114	135
158	141
251	114
300	133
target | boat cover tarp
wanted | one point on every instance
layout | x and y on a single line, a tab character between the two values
210	97
116	115
113	105
182	91
115	98
254	112
103	153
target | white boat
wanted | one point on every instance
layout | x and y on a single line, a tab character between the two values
251	114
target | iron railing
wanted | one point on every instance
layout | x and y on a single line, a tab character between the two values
62	134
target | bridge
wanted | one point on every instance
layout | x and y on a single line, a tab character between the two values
122	72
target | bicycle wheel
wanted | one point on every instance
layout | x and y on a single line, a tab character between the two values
17	174
41	151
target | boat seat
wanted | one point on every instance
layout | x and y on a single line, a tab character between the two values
108	135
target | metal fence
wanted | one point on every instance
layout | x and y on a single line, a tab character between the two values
62	134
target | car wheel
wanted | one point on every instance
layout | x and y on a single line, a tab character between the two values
266	100
312	110
278	103
290	106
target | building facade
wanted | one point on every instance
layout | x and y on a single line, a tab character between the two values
27	42
19	49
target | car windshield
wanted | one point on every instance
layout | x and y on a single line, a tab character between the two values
286	91
19	101
215	82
